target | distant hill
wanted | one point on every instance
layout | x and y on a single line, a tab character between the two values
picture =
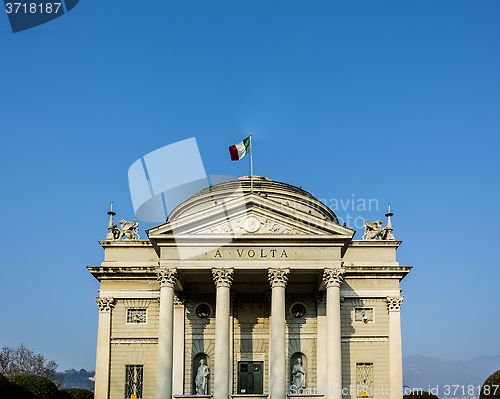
82	379
425	371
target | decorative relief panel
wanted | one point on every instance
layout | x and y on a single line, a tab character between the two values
252	225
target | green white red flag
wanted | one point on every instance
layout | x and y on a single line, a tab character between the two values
239	150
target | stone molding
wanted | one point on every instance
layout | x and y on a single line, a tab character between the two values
278	277
166	277
333	277
118	341
136	303
105	304
346	340
394	303
223	276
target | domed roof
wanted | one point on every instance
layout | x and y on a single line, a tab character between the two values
282	193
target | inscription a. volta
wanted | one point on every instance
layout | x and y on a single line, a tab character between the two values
256	253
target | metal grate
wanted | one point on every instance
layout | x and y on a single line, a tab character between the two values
136	315
363	314
364	380
134	377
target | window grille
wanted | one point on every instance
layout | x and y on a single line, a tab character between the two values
363	314
136	315
134	377
364	380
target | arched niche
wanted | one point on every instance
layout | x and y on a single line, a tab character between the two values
294	362
196	365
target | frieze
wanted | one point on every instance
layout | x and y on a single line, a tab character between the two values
262	253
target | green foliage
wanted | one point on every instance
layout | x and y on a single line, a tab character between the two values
491	387
75	393
39	387
420	395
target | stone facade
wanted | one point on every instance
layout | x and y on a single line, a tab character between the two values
269	278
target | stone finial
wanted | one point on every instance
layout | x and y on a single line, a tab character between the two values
278	277
333	277
394	303
223	276
112	229
166	277
105	304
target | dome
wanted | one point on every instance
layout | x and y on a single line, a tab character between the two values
279	192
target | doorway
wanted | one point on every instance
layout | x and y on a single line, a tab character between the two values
250	377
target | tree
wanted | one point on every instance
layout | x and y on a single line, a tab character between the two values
491	387
25	361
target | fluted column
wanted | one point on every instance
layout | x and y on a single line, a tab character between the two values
277	347
333	278
106	305
395	352
167	279
223	278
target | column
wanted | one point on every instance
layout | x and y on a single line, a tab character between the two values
178	351
277	350
333	278
167	279
395	353
321	338
223	278
103	355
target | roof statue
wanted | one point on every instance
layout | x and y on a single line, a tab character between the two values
374	230
127	229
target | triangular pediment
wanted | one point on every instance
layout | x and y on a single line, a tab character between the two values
250	215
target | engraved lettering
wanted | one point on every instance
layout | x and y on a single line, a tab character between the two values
240	254
273	251
283	253
253	253
262	254
217	254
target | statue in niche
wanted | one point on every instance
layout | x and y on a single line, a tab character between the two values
201	380
298	375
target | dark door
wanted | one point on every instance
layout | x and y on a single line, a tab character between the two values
250	377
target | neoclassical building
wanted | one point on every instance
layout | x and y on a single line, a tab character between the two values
250	289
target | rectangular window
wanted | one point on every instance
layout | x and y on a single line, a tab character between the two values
134	377
364	380
363	314
136	315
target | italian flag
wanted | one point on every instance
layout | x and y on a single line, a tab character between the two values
239	150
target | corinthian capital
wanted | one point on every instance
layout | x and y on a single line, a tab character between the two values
105	304
166	277
333	277
278	277
223	276
394	303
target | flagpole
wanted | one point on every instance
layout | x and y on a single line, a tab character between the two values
251	164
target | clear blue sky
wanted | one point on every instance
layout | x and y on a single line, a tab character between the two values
390	100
